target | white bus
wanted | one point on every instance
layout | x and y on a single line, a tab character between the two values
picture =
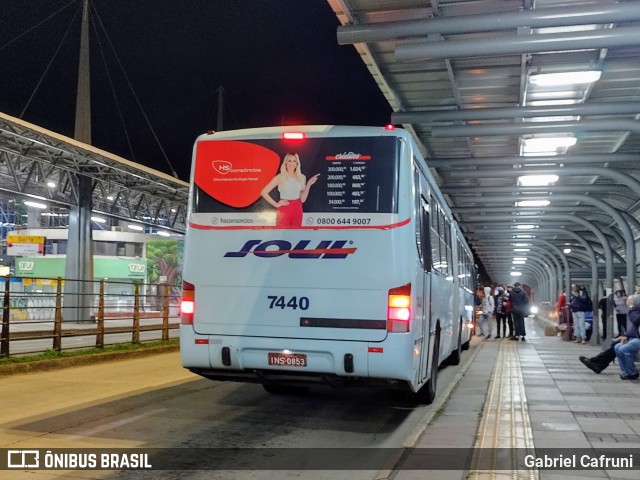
371	284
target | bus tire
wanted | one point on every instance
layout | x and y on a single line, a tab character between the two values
454	358
427	393
285	389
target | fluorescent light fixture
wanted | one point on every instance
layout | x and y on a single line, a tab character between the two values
550	103
566	250
533	203
524	236
51	184
520	258
565	78
518	262
163	233
525	227
521	249
516	274
98	220
110	197
29	203
547	144
537	180
138	228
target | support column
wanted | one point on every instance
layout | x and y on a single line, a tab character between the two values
78	288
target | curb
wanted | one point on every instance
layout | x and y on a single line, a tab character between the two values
425	421
59	363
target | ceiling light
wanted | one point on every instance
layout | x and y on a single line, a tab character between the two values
110	197
519	262
550	103
566	250
537	180
525	227
98	220
29	203
163	233
520	258
565	78
516	274
138	228
521	249
524	236
51	184
545	144
533	203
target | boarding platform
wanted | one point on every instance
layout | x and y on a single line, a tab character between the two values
515	397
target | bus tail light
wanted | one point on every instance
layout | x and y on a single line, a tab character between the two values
399	309
293	136
187	305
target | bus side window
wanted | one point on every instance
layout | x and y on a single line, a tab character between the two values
425	242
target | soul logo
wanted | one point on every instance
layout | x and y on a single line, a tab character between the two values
277	248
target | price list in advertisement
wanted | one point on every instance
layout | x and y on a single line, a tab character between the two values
347	182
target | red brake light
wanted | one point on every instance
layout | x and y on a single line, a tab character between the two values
390	127
187	305
399	309
293	136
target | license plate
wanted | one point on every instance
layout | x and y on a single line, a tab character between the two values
287	359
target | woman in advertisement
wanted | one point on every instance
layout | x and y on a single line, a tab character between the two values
293	188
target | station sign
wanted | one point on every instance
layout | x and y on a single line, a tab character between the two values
25	245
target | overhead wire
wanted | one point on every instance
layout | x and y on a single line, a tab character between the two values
44	74
14	39
113	90
135	96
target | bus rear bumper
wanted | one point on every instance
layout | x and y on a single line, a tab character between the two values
248	359
274	377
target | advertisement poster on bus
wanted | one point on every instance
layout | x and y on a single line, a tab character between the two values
319	182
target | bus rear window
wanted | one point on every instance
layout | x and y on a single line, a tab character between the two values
341	181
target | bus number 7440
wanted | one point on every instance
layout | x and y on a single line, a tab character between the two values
294	302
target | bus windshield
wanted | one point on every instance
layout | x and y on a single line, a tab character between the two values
350	181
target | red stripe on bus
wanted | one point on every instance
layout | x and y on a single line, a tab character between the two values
376	350
266	227
315	251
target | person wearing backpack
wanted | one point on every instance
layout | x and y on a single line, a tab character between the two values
501	312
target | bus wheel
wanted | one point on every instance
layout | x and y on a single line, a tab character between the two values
427	393
285	389
454	358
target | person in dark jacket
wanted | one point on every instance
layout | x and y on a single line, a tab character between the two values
602	305
501	312
580	303
519	302
604	358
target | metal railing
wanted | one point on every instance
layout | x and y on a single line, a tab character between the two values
34	320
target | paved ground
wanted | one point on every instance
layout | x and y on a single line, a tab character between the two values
520	396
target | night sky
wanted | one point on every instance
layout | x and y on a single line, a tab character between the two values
277	60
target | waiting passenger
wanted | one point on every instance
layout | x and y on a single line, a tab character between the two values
620	302
579	303
632	338
501	312
519	302
488	305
